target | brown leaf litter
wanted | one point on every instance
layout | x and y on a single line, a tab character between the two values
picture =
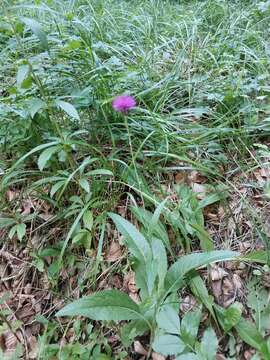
30	203
227	286
188	303
27	298
115	252
156	356
130	286
139	349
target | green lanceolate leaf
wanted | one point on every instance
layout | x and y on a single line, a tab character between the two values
250	334
6	222
56	187
45	156
36	28
5	297
35	105
104	305
167	344
103	172
33	151
21	230
12	231
142	279
88	220
136	242
199	289
68	109
159	231
151	275
159	262
190	326
155	218
230	317
131	330
22	74
84	184
206	242
188	356
168	319
209	345
176	273
258	256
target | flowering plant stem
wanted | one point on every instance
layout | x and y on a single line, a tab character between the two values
132	155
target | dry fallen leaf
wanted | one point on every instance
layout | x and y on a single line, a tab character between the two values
221	212
180	177
156	356
122	210
33	347
10	342
237	282
262	175
113	338
130	286
265	172
199	189
70	336
45	216
130	283
139	349
226	289
193	177
116	282
220	357
248	354
266	279
11	195
26	312
27	206
217	290
229	292
211	216
2	342
114	252
135	297
244	246
187	304
217	273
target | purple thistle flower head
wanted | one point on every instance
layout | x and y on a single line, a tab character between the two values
123	103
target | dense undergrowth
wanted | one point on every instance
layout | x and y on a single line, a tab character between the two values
90	195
